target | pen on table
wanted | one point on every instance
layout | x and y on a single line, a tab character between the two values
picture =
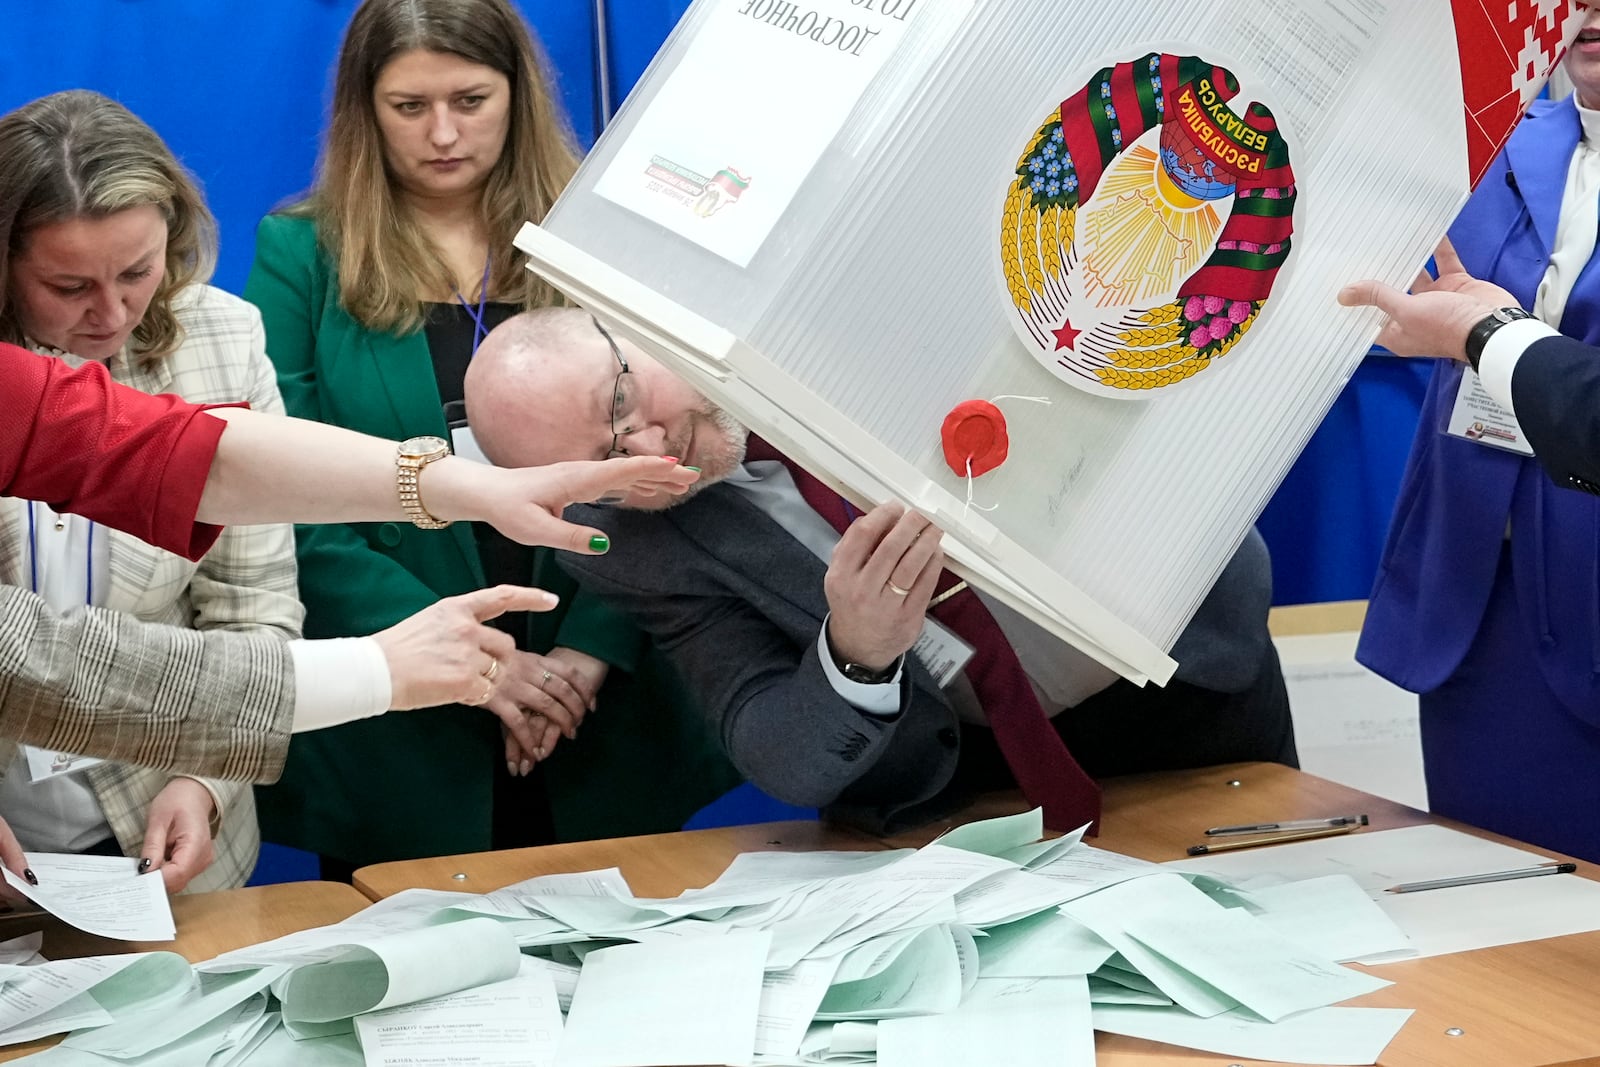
1275	839
1288	825
1479	879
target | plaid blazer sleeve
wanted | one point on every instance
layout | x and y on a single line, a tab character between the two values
215	703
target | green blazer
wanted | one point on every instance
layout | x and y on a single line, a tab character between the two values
418	783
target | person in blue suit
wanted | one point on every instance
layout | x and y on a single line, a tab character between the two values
1487	599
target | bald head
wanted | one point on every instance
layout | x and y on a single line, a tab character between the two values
514	377
548	385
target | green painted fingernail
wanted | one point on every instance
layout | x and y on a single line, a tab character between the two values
689	468
599	543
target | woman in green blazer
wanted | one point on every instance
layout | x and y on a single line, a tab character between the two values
375	293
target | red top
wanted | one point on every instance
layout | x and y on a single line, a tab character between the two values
79	442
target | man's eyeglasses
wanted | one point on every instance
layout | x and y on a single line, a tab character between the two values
624	396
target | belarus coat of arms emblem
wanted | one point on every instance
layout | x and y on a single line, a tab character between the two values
1146	224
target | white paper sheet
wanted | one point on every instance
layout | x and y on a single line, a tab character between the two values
400	968
718	165
789	1001
1035	1022
1439	921
1110	913
1350	725
44	764
1324	1036
43	988
634	1008
1233	951
127	906
142	1033
1052	945
1332	917
514	1023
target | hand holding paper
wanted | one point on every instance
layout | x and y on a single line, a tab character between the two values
99	895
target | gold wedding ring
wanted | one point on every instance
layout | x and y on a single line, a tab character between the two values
494	669
896	590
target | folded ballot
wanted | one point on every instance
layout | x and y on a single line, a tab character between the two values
321	998
1062	277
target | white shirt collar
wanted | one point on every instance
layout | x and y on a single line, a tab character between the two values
1591	125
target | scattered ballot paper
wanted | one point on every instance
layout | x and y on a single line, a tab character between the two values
101	895
53	997
399	969
1324	1036
514	1023
663	1003
1240	955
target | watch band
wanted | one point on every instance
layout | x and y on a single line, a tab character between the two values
1485	327
413	455
864	675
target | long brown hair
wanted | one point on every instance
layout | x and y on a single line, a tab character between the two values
385	260
78	154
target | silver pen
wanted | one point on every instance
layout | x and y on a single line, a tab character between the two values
1479	879
1288	825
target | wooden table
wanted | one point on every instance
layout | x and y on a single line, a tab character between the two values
208	924
1536	1003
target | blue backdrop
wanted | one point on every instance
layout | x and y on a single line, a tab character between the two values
240	91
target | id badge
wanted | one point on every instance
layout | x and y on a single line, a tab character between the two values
1478	417
940	651
44	764
462	443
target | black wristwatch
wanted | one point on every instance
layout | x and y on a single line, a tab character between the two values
1480	333
855	672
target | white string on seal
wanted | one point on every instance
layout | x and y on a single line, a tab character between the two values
971	503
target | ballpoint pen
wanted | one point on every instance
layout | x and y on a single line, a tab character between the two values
1288	826
1479	879
1274	839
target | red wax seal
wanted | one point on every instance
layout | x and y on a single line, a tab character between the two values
974	430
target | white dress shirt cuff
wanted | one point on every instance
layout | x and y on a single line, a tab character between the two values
1501	352
338	681
882	698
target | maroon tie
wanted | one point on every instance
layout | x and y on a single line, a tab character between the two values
1038	758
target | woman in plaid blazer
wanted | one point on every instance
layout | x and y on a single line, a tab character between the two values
112	243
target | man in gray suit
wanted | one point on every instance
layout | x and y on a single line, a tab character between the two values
797	640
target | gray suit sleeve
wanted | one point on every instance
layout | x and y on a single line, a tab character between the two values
763	688
216	703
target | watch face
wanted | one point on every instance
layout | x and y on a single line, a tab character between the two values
422	446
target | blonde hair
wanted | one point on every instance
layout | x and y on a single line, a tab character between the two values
78	154
385	261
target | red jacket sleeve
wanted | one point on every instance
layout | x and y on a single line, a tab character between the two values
82	443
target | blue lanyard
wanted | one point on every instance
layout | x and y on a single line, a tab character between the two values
33	559
480	328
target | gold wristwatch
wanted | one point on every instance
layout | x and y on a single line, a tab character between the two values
416	453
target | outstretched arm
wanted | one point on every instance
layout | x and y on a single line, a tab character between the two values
1436	316
153	465
269	469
